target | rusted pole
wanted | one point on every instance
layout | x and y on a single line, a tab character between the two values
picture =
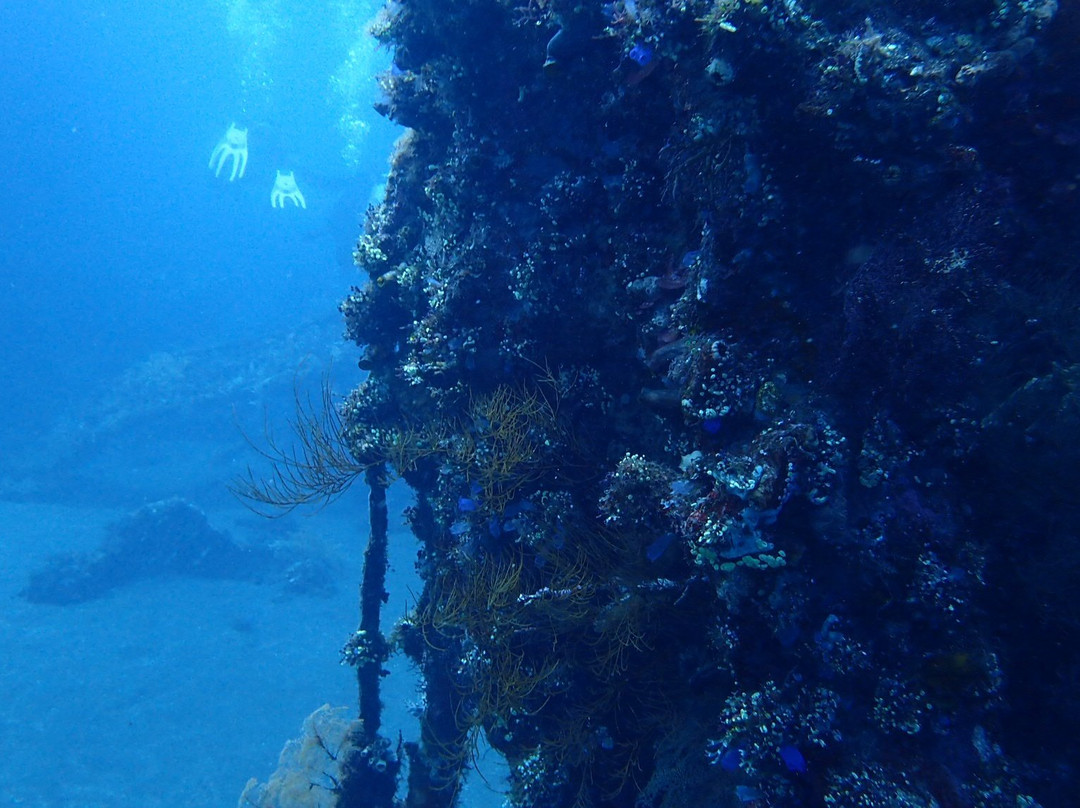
373	595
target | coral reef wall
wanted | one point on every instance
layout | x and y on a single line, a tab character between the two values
730	349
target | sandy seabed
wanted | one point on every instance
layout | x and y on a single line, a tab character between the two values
174	691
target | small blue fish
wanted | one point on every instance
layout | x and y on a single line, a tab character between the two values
731	759
793	759
659	545
641	54
466	504
747	794
712	425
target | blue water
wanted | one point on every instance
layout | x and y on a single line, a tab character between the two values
148	309
116	241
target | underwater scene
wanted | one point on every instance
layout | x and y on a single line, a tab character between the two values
540	404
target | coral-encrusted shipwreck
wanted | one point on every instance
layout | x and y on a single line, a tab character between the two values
729	349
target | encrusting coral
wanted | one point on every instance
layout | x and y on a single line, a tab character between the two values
730	389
